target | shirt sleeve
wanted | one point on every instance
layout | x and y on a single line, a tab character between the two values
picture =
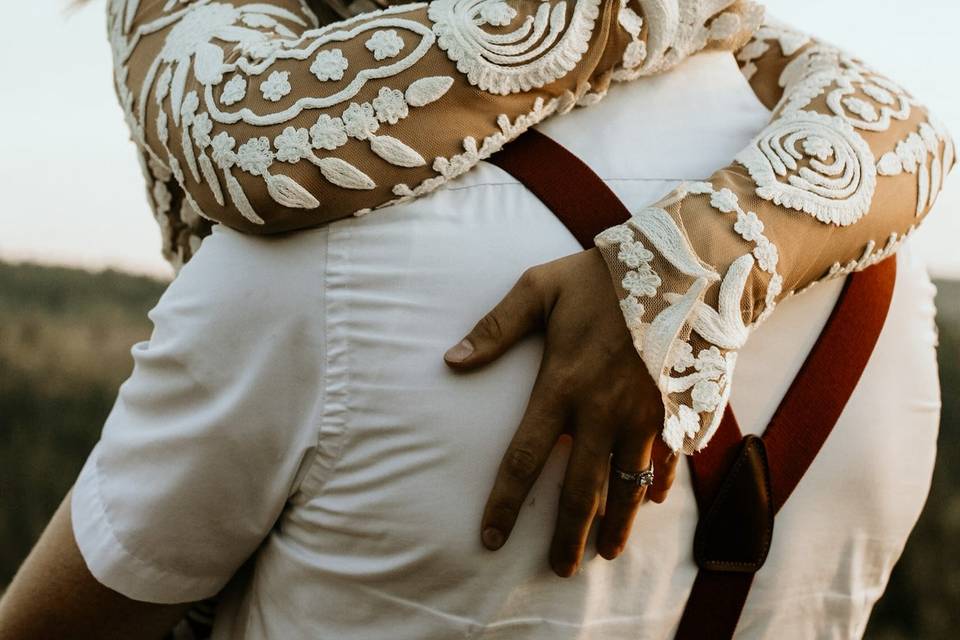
256	116
213	430
849	165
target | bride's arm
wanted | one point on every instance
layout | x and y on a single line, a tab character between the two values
848	167
252	115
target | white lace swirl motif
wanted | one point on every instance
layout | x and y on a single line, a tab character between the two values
535	53
814	163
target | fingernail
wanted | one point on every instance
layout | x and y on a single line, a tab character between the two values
459	352
492	538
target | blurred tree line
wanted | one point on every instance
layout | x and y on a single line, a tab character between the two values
65	338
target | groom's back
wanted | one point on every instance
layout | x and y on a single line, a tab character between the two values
380	535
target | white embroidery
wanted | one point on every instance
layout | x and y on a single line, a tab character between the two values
276	86
665	341
426	90
212	50
497	14
233	92
385	44
920	153
223	154
450	168
543	49
390	105
359	120
255	156
836	191
293	145
396	152
329	65
328	133
635	52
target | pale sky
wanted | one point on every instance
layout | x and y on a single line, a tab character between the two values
72	188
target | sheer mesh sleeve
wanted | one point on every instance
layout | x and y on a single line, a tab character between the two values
847	168
254	115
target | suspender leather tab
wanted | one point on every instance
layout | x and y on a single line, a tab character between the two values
735	532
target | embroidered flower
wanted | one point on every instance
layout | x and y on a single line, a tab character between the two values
632	312
710	362
724	200
359	121
255	156
234	91
390	105
329	65
642	282
276	86
818	147
861	108
634	254
497	14
189	108
706	395
766	254
682	356
202	126
293	145
683	424
385	44
222	152
328	133
614	235
749	226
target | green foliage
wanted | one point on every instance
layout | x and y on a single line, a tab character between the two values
65	337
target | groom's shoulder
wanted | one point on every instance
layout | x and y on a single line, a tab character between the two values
241	283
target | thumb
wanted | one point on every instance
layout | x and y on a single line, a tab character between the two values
519	313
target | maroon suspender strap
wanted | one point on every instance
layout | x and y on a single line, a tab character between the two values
740	483
570	189
797	431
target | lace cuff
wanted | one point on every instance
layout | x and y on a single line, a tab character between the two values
687	330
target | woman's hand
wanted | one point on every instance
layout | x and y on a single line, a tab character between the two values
591	385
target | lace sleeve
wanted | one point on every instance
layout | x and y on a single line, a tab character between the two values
848	167
254	115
